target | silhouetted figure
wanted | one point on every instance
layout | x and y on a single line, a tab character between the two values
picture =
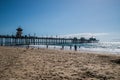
27	47
62	47
46	46
75	47
70	47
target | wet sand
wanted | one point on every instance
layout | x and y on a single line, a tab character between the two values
45	64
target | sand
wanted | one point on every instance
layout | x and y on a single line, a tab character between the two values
45	64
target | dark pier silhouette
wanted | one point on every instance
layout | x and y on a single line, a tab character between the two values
18	39
6	40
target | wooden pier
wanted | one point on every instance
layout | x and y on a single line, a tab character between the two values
18	39
6	40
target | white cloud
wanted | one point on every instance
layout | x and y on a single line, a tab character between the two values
86	35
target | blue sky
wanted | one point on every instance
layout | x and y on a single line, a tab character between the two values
61	17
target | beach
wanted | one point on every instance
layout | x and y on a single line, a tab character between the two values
49	64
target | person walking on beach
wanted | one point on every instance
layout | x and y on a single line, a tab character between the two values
75	47
70	47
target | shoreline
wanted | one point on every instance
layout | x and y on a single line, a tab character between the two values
65	49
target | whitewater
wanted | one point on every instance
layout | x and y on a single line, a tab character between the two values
104	47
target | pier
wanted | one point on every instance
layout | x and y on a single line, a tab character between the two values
19	39
6	40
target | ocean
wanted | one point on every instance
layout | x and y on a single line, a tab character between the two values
111	47
107	47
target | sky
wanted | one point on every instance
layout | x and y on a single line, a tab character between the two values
61	17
